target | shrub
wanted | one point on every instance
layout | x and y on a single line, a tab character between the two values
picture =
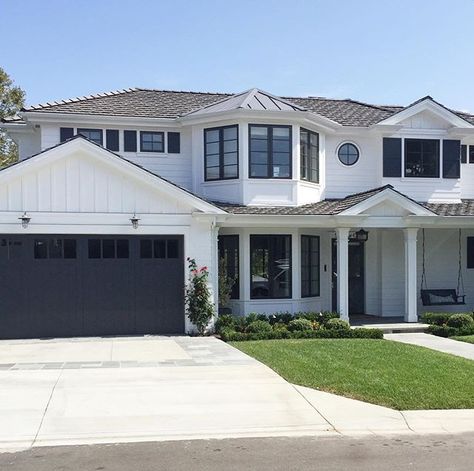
319	317
279	326
459	321
280	317
337	324
259	327
224	321
300	325
199	305
363	333
442	330
240	324
440	318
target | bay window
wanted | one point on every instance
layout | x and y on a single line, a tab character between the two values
309	155
221	153
270	151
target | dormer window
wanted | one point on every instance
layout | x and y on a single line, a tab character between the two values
270	151
221	153
422	158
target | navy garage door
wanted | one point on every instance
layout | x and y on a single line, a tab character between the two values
76	285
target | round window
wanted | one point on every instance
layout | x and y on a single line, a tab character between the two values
348	154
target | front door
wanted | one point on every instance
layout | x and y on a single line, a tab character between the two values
356	277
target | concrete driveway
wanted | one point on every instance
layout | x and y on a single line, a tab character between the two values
105	390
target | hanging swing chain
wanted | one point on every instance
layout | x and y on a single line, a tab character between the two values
460	287
423	273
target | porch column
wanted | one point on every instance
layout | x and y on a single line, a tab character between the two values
343	272
411	289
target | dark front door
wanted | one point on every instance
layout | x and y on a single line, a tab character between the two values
356	277
76	285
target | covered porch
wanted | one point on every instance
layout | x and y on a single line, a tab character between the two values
370	262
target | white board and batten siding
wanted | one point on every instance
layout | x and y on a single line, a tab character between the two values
173	167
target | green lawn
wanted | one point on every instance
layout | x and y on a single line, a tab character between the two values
465	338
382	372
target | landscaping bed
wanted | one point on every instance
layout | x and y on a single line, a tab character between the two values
396	375
303	325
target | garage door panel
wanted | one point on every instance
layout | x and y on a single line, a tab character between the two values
66	286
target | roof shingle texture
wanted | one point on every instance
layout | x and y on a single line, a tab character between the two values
146	103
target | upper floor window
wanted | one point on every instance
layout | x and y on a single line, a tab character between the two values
94	135
348	153
221	153
422	158
270	151
151	141
309	155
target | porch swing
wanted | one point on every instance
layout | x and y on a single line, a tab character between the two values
442	297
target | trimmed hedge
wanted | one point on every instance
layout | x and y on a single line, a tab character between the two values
446	331
229	335
441	318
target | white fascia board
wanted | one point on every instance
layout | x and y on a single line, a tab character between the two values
70	118
391	196
249	115
18	128
426	105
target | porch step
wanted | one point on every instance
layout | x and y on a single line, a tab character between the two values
397	328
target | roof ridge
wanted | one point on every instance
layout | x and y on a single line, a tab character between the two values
146	89
78	98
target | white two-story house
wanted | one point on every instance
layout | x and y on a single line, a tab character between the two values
313	203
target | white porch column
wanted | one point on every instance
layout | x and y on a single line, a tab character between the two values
343	272
411	289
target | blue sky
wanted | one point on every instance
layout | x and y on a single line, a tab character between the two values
376	51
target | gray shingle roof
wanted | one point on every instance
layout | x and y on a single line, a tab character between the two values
465	208
321	208
332	207
148	103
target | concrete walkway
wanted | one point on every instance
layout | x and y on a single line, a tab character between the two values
84	391
461	349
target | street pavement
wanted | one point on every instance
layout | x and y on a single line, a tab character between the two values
399	453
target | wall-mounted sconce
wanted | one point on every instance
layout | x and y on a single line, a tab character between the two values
25	220
134	220
361	235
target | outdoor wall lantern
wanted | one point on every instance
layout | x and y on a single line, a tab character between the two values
25	220
361	235
134	220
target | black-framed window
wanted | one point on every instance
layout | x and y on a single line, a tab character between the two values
309	266
348	154
270	266
229	253
470	252
270	151
159	248
422	158
309	155
94	135
464	154
55	248
108	248
471	154
152	141
221	153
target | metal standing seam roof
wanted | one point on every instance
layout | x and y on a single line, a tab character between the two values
150	103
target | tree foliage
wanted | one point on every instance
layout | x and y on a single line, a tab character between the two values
12	99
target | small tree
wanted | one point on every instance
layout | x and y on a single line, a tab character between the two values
226	284
199	305
11	101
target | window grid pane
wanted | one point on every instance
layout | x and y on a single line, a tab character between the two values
422	158
310	266
221	147
270	151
